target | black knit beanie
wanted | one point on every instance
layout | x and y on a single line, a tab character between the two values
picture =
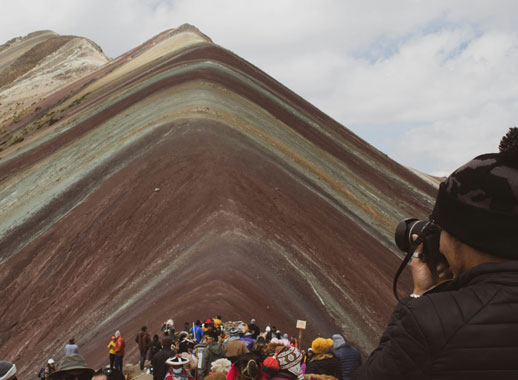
478	202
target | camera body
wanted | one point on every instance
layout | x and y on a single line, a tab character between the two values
431	235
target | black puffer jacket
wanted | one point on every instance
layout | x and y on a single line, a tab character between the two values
325	364
464	329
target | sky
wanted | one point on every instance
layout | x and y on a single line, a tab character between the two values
430	83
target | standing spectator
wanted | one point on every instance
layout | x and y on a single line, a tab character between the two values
158	362
111	347
197	332
71	347
120	345
7	370
349	357
323	361
154	347
252	326
168	328
213	352
143	340
235	346
50	368
217	322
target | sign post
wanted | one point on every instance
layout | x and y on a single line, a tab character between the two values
301	325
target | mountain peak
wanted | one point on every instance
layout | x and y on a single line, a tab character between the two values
179	180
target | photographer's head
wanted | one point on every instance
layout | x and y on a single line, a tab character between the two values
477	207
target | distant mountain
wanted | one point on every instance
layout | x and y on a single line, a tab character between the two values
180	181
36	65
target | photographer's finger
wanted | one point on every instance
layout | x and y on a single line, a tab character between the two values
420	246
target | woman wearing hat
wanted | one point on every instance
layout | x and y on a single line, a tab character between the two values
324	362
7	370
73	367
176	369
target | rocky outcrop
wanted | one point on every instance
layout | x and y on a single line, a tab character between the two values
181	181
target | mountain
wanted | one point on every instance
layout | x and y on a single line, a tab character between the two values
181	181
34	66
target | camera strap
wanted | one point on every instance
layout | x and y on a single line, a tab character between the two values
404	263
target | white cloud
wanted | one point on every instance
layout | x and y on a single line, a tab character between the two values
432	84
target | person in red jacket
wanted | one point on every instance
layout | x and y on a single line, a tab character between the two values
120	345
143	340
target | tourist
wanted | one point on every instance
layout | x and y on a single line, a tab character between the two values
72	367
111	350
168	328
249	341
287	364
350	358
71	347
247	366
235	347
324	362
196	332
158	362
155	347
143	341
120	346
176	369
7	370
464	328
252	326
49	368
213	352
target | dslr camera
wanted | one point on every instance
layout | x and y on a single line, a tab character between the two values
429	232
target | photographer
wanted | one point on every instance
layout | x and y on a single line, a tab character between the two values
466	327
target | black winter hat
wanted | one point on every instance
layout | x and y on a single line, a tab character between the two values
478	202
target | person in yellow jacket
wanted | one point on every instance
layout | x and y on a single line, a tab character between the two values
217	321
111	347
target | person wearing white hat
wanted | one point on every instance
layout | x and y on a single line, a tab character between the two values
176	369
50	368
7	370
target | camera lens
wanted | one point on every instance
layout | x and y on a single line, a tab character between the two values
406	229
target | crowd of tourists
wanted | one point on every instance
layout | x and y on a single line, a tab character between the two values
214	350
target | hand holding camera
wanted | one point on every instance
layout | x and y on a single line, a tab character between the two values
421	240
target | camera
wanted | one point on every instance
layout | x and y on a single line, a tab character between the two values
429	232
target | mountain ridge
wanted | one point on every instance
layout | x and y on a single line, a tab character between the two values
179	172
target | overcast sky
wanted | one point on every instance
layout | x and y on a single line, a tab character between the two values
430	83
